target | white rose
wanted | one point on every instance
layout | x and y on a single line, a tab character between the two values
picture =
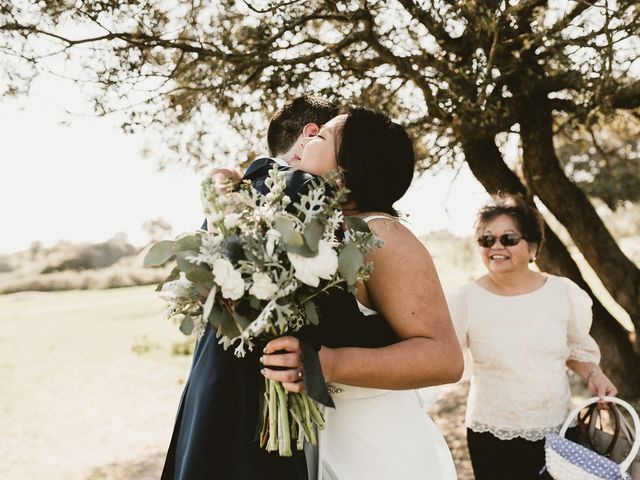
233	287
263	288
222	270
230	280
310	270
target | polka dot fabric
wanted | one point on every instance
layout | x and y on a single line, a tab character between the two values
567	460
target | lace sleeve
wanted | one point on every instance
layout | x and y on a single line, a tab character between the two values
459	310
582	346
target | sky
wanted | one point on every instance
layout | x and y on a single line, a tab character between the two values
78	177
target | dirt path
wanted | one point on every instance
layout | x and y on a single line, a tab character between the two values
448	413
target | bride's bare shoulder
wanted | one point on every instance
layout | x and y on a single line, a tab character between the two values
397	238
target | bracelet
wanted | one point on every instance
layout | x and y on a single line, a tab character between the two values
591	373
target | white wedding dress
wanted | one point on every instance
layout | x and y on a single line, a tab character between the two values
375	434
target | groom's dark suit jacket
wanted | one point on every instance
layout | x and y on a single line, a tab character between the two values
215	431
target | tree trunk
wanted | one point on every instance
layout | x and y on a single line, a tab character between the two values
569	204
618	355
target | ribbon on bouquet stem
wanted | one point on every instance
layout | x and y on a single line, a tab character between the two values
313	378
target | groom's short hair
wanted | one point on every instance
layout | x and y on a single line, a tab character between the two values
287	123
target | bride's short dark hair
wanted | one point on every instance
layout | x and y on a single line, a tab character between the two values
378	160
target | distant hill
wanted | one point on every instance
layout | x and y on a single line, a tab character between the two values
117	263
71	266
456	258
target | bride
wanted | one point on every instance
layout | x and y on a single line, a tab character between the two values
379	429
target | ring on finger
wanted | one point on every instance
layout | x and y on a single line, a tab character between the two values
300	374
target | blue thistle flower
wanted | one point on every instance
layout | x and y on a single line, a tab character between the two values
233	248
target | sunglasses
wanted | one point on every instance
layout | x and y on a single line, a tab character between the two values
506	240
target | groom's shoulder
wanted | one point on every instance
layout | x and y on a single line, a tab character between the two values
259	166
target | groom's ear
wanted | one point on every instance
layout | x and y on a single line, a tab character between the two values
310	130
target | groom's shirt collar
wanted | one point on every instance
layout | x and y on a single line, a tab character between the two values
280	162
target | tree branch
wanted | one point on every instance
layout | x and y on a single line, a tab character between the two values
627	96
544	175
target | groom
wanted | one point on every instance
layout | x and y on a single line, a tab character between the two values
215	431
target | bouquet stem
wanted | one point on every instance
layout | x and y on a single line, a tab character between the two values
284	431
272	415
286	417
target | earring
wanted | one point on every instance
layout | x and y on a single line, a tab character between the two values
532	259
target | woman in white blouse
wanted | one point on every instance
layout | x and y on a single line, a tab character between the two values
521	329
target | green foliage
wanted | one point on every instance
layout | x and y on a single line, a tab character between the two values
165	250
159	254
186	324
350	261
357	224
312	234
226	323
287	228
311	313
603	158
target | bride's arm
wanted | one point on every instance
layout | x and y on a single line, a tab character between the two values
405	289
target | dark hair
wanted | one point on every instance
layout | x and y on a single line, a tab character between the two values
287	123
378	160
526	217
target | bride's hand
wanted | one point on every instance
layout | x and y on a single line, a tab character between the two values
284	352
225	179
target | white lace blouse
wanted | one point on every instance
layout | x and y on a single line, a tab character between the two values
515	351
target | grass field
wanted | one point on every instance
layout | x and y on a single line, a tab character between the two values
89	384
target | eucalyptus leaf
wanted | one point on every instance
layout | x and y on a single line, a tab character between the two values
311	313
357	224
186	325
241	321
200	275
201	289
174	275
189	242
185	265
313	233
350	261
287	228
254	303
215	317
228	326
159	254
300	250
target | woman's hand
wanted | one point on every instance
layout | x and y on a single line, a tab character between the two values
225	179
284	352
599	384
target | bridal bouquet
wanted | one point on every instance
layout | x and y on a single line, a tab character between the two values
254	274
